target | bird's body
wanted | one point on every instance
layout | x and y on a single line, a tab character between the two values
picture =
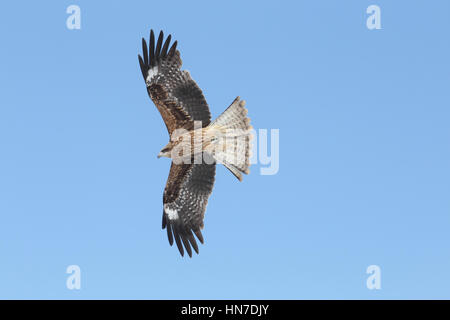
187	145
196	144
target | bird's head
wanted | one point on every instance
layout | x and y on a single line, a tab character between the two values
166	151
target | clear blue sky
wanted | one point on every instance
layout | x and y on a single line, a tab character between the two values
364	176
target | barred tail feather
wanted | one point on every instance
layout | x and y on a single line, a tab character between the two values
232	146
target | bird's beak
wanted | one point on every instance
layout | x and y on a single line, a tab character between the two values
159	155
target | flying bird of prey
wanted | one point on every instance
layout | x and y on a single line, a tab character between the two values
196	144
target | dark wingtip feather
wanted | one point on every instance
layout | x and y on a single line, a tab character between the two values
159	44
178	241
199	235
169	233
144	68
145	51
173	49
152	48
166	46
186	245
192	241
164	221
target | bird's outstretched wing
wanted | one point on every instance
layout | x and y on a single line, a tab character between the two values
177	97
185	198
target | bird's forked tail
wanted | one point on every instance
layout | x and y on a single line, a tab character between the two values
232	142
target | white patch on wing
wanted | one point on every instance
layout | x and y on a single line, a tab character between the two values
172	213
151	73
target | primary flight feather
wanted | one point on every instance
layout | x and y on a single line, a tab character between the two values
196	144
